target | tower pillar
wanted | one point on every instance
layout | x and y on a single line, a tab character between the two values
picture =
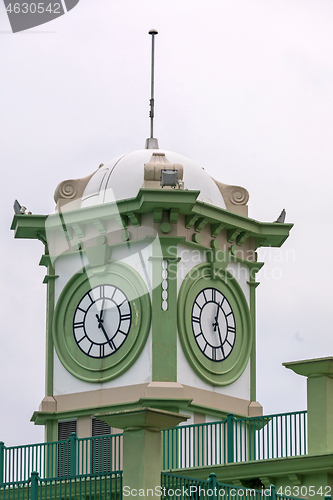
142	453
319	373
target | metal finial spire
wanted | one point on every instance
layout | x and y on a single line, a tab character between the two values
152	143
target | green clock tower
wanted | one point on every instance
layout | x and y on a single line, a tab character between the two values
151	280
151	271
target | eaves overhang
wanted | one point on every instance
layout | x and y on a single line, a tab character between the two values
149	201
29	226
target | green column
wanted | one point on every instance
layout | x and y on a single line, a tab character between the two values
320	411
253	365
164	311
319	373
142	453
50	282
50	300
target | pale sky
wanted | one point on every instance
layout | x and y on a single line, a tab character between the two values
243	87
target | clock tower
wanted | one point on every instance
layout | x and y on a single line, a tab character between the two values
151	278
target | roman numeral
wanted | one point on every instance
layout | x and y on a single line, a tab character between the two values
213	295
231	329
125	317
78	325
195	319
198	335
102	351
120	331
222	350
214	353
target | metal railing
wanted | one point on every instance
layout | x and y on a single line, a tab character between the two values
181	487
90	487
230	440
67	458
235	440
110	487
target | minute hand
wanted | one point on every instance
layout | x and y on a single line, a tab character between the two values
100	325
215	325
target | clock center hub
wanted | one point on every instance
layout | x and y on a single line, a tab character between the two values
110	320
214	330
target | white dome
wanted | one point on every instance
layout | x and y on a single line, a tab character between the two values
122	178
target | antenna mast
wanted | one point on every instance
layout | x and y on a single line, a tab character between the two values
152	143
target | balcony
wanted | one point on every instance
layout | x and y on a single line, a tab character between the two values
93	466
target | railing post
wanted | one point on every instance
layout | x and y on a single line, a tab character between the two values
72	454
213	485
273	492
2	457
34	485
230	434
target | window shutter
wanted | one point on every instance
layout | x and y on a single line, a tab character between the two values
101	451
100	428
65	430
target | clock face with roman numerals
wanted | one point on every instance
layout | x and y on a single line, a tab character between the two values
213	324
102	321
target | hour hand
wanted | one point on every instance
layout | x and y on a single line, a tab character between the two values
99	319
100	325
216	322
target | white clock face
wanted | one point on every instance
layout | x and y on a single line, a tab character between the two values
102	321
213	324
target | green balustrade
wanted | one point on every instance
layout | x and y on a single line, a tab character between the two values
66	458
187	446
181	487
235	440
90	487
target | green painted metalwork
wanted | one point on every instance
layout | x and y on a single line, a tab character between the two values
68	458
2	450
230	437
34	485
235	440
182	487
90	487
230	440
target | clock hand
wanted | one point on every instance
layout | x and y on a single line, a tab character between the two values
100	325
99	319
216	324
102	308
218	328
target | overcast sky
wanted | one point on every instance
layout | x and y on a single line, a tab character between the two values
243	87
